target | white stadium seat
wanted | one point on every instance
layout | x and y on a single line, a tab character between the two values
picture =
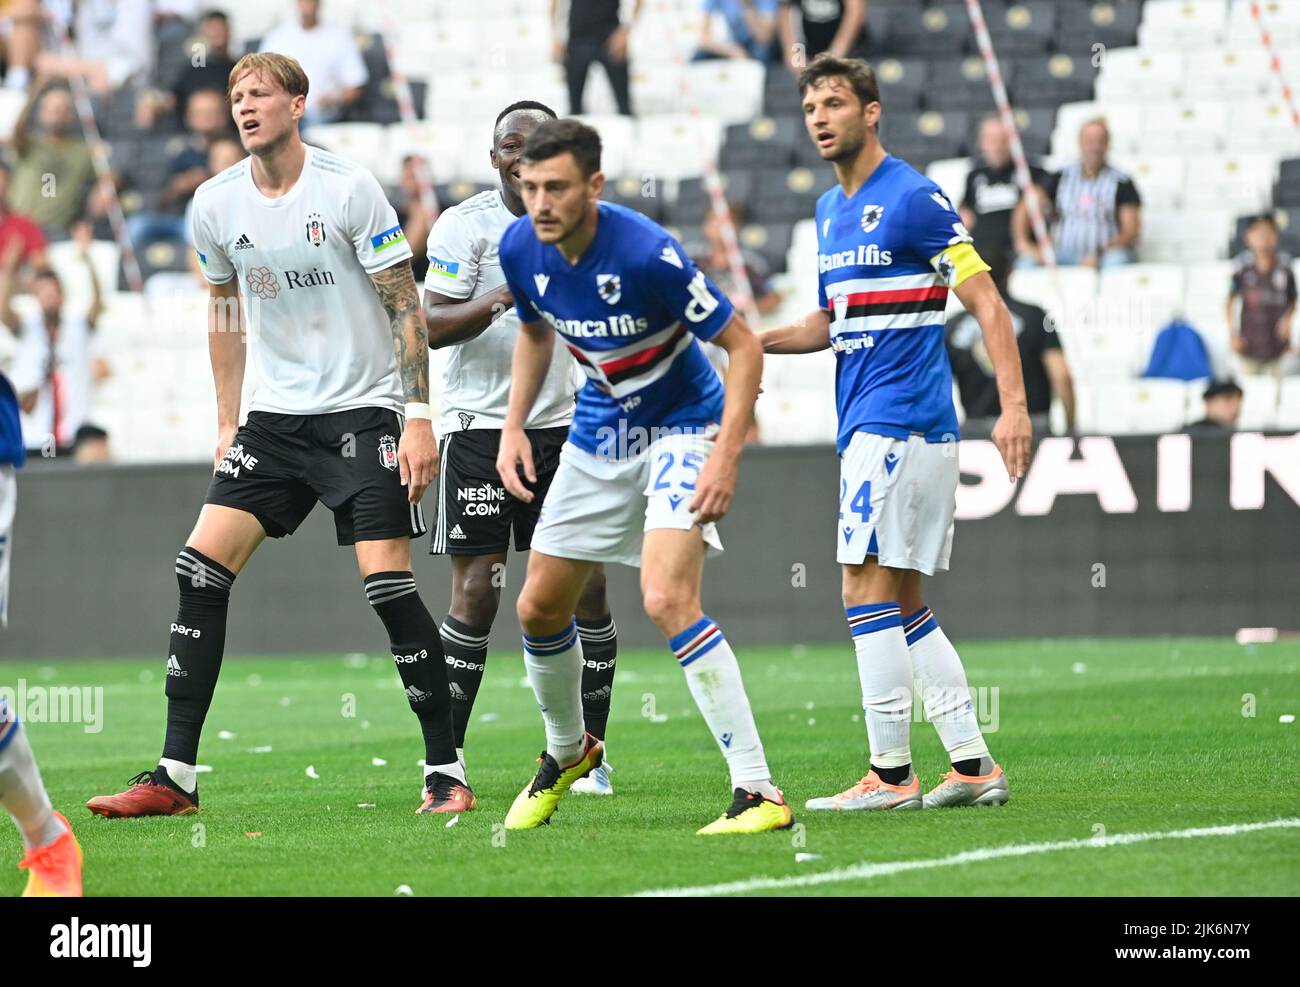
1139	407
950	175
1185	127
1182	25
1281	16
1259	402
797	416
1288	405
729	89
1135	75
1242	183
1264	124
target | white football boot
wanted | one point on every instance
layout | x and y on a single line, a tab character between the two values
955	789
596	783
871	793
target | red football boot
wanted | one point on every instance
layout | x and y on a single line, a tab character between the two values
149	795
54	870
444	793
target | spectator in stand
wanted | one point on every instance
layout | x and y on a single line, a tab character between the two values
173	21
810	27
1265	286
595	34
16	226
55	169
329	56
1099	213
739	29
415	218
56	369
1044	367
226	152
20	41
713	260
112	45
1222	409
212	53
206	119
992	194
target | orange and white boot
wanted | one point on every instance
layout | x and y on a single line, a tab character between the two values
871	793
54	869
957	789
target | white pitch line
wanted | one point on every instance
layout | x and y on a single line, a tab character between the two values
867	871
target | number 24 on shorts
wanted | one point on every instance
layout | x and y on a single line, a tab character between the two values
861	503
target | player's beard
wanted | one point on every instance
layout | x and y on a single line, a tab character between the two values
851	146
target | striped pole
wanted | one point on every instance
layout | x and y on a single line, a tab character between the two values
994	72
1274	61
103	170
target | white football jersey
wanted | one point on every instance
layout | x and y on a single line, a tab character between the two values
320	339
463	263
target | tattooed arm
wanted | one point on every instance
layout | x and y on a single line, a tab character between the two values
417	453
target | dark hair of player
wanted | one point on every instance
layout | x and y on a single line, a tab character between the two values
1264	217
214	15
854	71
525	104
556	137
46	274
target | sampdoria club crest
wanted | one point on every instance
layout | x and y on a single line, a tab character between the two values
609	287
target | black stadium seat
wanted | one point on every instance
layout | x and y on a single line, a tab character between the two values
763	142
1050	80
1287	190
1021	28
628	191
1082	24
454	193
787	195
693	201
771	241
963	84
943	29
926	137
903	82
780	93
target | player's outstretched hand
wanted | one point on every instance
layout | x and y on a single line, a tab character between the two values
714	489
417	457
1012	435
225	437
513	453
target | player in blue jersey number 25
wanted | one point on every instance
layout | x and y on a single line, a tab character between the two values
890	247
649	465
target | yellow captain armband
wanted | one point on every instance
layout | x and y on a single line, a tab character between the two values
957	263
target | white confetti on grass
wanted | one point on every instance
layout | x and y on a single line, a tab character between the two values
260	750
285	700
377	762
803	858
452	821
365	805
1286	718
659	718
225	735
1078	668
253	679
404	890
312	773
203	769
488	717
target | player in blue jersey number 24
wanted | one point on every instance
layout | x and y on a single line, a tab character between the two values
649	465
890	247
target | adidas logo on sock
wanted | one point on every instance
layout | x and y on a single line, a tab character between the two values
456	691
416	695
174	668
243	243
456	532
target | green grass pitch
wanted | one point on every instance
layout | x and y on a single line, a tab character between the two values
1097	737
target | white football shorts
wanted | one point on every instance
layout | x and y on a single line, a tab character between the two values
897	500
599	509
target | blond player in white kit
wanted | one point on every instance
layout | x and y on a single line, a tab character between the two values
340	415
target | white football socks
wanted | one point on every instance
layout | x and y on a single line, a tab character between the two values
943	688
713	676
554	664
454	770
21	790
885	674
184	776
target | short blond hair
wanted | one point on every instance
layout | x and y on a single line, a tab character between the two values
282	69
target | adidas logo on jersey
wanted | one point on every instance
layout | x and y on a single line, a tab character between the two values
174	668
243	243
456	532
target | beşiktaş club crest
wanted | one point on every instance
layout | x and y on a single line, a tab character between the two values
609	287
871	217
388	452
315	230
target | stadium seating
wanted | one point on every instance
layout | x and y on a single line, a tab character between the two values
1195	112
